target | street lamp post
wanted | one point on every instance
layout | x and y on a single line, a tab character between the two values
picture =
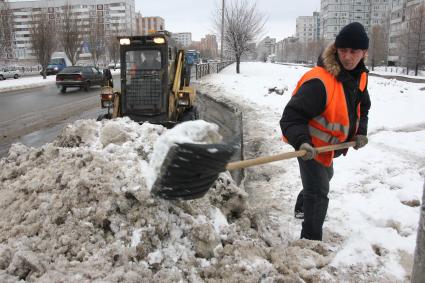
222	31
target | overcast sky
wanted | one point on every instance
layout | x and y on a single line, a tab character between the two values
196	15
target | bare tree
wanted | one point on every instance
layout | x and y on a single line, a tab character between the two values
6	31
242	24
318	46
403	46
376	52
412	43
96	39
43	38
113	45
416	57
385	27
70	36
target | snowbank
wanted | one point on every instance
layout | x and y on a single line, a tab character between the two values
80	210
25	83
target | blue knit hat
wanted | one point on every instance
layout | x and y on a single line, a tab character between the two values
352	36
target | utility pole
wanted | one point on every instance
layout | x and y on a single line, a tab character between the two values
222	31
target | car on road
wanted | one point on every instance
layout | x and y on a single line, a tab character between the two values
9	73
79	76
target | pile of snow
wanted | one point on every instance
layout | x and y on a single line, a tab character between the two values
80	210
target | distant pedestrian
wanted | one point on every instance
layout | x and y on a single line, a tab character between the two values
108	77
330	105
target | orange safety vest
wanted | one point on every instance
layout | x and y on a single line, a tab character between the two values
330	127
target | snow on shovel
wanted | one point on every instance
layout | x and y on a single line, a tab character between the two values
189	169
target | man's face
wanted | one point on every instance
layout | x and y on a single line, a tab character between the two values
350	58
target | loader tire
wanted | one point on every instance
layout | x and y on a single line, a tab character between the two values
86	86
190	115
104	116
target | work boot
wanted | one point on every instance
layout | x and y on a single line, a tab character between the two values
299	209
299	214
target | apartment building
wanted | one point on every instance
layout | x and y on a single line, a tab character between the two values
335	14
265	48
401	13
115	15
145	25
308	28
209	46
183	38
287	49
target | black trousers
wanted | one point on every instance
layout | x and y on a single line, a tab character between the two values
313	199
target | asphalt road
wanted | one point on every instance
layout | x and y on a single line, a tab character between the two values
35	116
22	112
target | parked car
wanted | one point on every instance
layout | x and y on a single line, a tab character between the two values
9	73
79	76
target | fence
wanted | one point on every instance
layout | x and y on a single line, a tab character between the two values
210	68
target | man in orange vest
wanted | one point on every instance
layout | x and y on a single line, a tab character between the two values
330	105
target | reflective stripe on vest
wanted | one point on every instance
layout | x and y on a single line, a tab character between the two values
336	127
322	135
332	126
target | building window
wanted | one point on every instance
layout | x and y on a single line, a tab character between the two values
100	7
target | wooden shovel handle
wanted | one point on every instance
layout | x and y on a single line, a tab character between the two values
283	156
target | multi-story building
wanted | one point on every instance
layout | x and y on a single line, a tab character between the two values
288	49
183	38
335	14
265	48
146	25
401	14
397	23
209	46
308	28
114	15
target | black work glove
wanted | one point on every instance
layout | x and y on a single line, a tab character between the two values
311	152
360	140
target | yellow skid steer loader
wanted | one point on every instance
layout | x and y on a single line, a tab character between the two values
154	82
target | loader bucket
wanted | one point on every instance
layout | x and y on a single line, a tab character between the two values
189	170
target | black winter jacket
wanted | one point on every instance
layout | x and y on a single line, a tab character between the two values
310	101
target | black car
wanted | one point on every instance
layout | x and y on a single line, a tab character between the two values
79	76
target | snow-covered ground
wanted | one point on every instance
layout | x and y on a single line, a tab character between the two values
375	192
79	209
25	83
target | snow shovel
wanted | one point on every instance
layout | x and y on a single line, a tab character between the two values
189	170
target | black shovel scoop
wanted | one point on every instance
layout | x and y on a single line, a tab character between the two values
189	170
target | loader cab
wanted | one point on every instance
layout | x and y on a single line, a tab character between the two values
146	62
